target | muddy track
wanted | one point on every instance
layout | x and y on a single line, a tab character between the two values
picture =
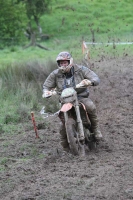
37	169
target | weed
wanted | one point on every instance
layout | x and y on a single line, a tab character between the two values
34	151
1	129
6	144
13	48
23	112
41	156
2	168
3	161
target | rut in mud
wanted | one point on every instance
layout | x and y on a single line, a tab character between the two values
37	169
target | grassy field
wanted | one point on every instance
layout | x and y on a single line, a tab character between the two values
112	17
68	24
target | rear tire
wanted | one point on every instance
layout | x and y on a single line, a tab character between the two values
71	134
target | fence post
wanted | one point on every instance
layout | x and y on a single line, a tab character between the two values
34	124
85	50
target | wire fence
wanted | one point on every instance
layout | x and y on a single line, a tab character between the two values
89	38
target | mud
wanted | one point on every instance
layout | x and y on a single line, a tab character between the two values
38	169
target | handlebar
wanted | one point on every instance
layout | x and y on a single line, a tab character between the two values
83	84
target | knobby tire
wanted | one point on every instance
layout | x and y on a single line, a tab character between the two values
71	134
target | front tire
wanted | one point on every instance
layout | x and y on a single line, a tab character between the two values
74	145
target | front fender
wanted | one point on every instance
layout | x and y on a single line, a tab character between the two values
66	107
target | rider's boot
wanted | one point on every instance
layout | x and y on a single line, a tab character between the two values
63	137
94	126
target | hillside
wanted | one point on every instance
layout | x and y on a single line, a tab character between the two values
70	22
71	18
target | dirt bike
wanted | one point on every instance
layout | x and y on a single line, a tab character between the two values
77	123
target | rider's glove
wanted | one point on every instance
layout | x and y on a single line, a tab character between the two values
47	93
83	83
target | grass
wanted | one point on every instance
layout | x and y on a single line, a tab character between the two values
21	93
110	51
23	71
68	23
77	17
74	46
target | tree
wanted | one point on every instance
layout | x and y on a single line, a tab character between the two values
13	19
16	15
34	10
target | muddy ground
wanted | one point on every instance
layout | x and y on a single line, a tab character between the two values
38	169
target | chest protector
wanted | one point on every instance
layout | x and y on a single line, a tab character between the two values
69	82
69	79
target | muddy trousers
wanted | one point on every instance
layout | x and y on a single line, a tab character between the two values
63	137
91	110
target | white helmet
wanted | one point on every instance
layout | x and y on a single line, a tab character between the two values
64	56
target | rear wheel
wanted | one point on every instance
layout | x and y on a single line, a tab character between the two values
76	147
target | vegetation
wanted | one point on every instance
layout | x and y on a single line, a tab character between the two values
18	18
72	18
67	23
12	20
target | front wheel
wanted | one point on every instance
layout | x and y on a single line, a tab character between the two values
76	147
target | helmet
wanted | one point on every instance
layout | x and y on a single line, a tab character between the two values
64	56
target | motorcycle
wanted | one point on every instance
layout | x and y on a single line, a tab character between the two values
77	123
76	120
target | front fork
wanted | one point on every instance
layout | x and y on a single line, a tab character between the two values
79	121
81	138
66	118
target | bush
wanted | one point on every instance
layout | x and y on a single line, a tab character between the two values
22	84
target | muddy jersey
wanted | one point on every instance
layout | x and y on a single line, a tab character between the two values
58	80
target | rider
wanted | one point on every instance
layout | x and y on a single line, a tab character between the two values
67	75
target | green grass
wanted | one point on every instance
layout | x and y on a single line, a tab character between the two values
70	22
23	71
76	17
110	51
21	93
